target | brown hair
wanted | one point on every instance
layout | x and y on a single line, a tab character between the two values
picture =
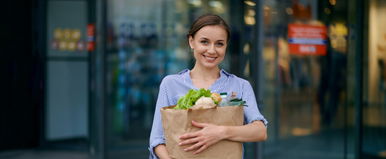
205	20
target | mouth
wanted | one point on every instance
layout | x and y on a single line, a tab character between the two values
210	59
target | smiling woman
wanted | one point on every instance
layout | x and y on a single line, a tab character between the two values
208	38
209	46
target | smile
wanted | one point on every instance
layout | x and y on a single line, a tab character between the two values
209	58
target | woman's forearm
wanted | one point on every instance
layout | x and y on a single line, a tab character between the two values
161	152
253	132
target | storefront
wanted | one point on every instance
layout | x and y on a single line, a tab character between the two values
317	67
374	82
145	41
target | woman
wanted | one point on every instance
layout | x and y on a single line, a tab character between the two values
208	38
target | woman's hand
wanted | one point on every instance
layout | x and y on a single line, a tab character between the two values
161	152
211	134
202	139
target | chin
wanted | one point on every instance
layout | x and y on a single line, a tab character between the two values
210	65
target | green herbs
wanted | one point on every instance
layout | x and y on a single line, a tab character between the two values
188	100
231	100
236	102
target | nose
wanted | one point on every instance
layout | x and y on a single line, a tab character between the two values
211	49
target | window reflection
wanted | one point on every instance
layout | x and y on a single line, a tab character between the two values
146	40
374	112
304	79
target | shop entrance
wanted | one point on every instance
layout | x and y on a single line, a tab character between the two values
304	55
374	83
66	120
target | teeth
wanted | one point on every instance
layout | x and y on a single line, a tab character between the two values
210	58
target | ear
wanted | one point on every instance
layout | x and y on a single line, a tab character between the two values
191	42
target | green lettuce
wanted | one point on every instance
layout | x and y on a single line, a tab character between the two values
189	99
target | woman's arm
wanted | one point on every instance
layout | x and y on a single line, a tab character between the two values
211	134
253	132
157	141
161	152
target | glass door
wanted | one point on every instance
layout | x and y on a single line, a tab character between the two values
66	107
145	43
305	78
374	78
146	40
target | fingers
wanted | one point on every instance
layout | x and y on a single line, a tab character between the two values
199	125
199	147
189	135
200	140
189	141
194	134
194	146
202	148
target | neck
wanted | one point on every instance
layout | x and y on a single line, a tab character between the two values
205	73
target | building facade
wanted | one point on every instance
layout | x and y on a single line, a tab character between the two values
317	68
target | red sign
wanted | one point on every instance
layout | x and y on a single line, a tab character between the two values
90	37
306	39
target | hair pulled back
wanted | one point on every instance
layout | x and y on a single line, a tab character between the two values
205	20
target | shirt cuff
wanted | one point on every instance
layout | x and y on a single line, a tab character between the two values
265	122
153	144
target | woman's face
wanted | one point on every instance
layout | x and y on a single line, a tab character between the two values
209	45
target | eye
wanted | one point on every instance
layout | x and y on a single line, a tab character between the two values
219	44
205	42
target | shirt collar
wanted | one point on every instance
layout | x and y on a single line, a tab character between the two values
223	77
222	73
183	71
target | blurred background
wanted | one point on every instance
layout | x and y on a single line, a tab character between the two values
79	78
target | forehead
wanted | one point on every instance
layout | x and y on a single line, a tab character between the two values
214	32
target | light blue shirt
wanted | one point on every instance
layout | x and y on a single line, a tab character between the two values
174	86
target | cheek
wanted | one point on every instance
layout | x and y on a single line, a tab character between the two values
222	52
196	54
199	50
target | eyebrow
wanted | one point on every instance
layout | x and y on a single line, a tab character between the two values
204	38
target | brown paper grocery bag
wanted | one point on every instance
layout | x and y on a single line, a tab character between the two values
178	122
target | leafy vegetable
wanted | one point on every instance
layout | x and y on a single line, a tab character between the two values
189	99
237	102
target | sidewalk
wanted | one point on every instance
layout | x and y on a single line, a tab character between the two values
43	154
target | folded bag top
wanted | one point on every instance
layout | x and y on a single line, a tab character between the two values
177	122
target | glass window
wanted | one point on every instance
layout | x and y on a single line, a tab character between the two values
146	40
67	66
304	54
374	112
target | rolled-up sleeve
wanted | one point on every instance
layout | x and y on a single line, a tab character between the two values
251	111
157	134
